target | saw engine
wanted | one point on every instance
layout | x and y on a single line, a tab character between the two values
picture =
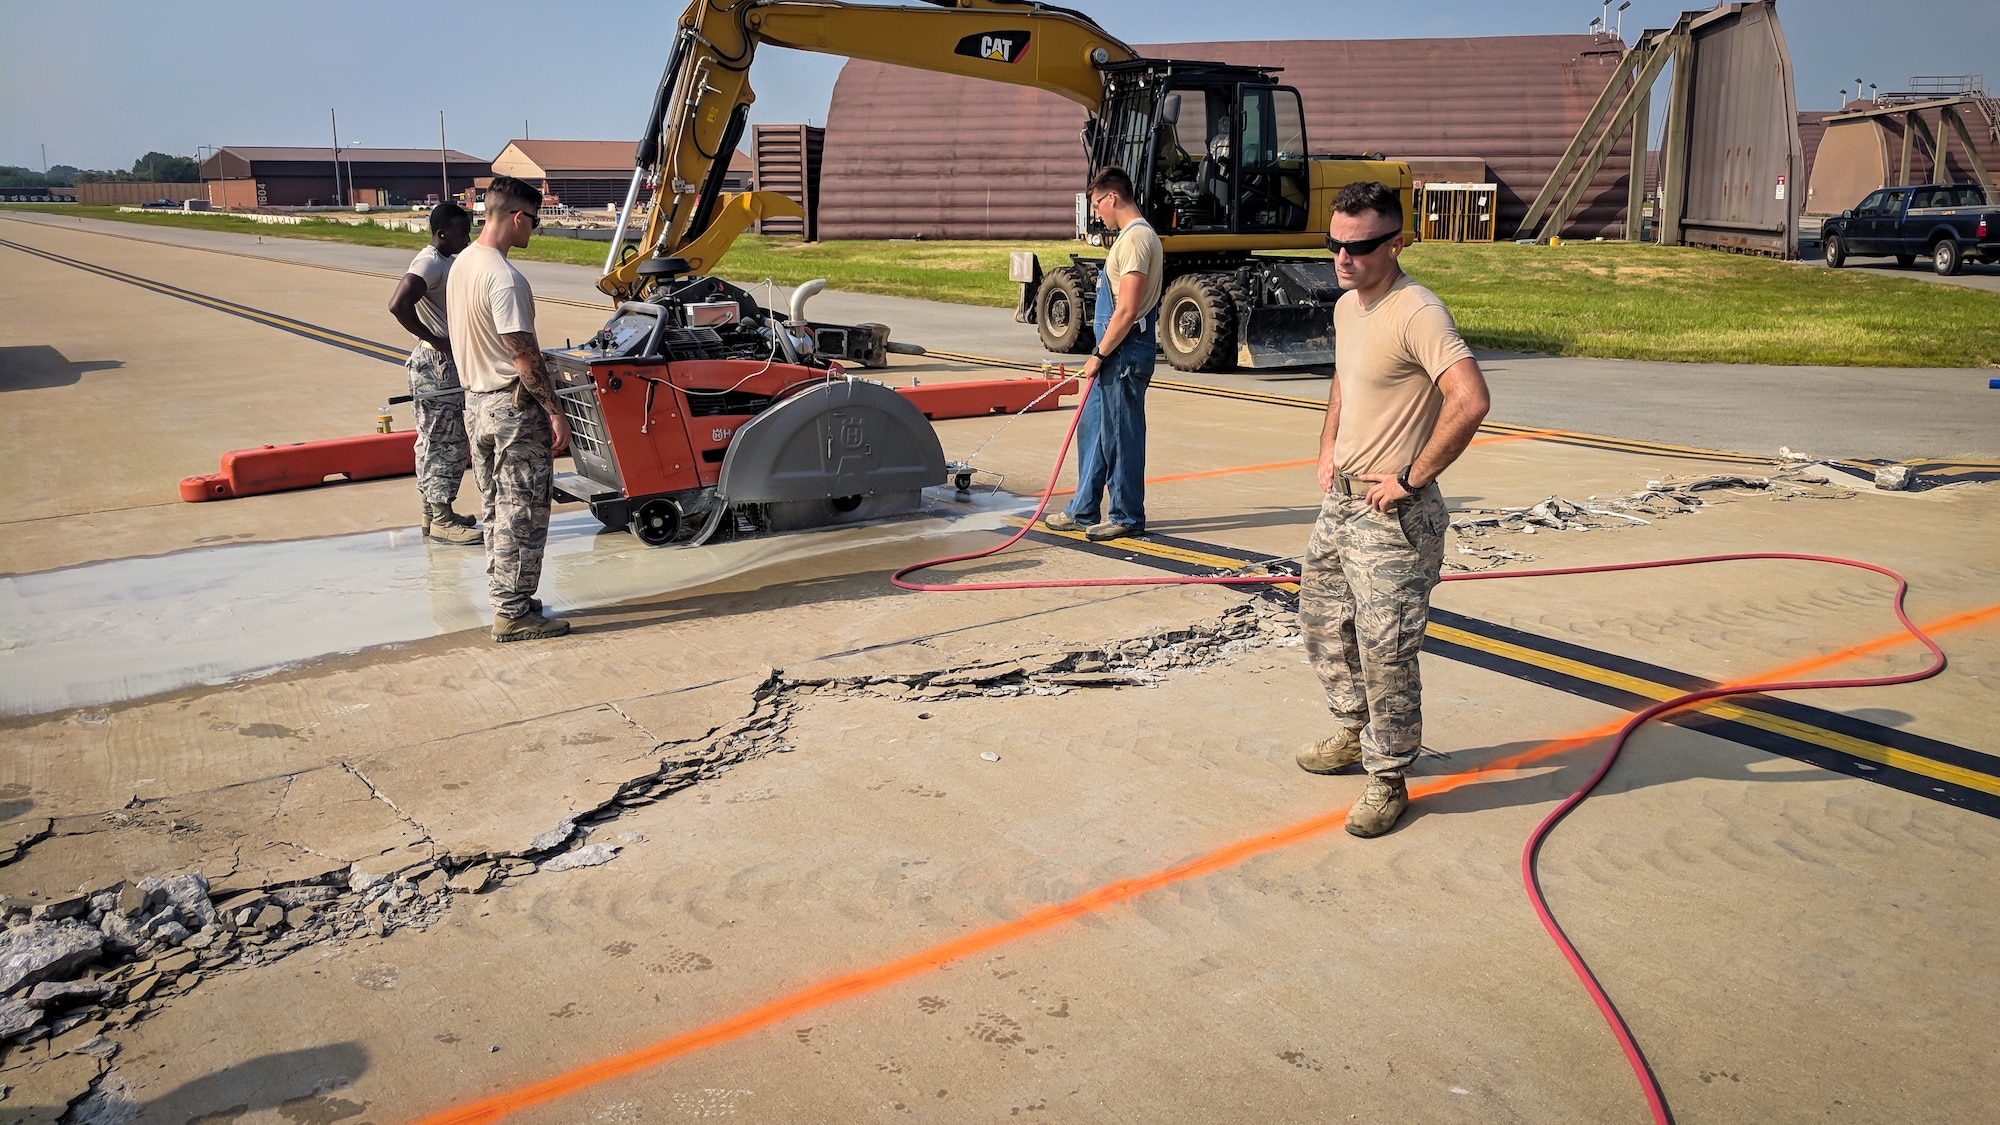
700	412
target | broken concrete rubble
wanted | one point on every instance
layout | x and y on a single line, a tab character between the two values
163	935
42	951
593	855
1895	478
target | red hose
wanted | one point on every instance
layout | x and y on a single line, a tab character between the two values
1655	1099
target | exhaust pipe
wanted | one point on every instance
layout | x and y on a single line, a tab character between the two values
803	294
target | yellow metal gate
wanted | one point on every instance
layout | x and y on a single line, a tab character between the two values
1456	212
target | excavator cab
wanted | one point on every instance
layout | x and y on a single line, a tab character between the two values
1212	149
1217	156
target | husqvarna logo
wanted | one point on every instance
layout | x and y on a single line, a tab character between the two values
997	46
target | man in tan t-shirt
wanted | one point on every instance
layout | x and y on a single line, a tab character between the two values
1111	434
1407	397
511	413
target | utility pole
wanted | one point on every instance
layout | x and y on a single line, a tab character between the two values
45	162
444	160
335	118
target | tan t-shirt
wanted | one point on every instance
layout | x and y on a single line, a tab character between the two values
488	298
1388	358
434	269
1137	248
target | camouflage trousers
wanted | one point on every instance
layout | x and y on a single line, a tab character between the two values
1363	606
515	472
442	450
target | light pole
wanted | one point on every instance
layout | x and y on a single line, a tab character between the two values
335	118
1621	19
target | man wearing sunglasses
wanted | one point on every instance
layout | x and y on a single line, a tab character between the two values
1407	396
1111	435
511	413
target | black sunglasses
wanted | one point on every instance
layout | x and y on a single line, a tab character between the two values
534	219
1358	247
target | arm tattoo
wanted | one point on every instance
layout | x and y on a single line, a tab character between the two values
532	367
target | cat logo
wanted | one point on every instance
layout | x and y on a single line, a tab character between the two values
995	46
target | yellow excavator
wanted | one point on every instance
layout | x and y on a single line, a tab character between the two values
1217	155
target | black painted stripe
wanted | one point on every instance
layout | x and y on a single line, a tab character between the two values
1774	742
316	333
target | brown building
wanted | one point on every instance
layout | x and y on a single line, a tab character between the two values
999	161
129	192
590	174
244	177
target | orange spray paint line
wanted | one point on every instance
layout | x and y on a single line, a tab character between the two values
827	992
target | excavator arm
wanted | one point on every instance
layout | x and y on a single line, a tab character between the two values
704	97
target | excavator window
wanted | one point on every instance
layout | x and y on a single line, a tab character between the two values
1274	188
1193	168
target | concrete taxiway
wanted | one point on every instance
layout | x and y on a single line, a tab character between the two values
877	855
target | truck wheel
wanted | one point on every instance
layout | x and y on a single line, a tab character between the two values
1198	323
1836	251
1945	258
1062	315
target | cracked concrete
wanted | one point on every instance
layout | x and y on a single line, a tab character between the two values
805	773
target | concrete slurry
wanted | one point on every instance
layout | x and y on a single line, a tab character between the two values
808	775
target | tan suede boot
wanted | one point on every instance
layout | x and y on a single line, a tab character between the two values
1331	754
1377	810
441	524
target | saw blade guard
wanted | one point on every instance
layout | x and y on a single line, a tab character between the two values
843	441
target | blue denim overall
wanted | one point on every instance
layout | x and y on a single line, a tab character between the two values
1111	436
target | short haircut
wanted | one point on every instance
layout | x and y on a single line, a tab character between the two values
506	193
1112	178
1361	198
449	214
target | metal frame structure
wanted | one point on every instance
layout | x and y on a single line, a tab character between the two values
1706	130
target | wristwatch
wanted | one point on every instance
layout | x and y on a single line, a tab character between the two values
1095	354
1403	479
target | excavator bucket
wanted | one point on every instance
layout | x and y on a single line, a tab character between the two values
1296	325
844	451
1285	336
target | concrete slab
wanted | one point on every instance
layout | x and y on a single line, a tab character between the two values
790	759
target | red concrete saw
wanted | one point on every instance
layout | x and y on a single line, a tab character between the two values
700	410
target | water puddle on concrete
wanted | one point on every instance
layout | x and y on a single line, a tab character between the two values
113	631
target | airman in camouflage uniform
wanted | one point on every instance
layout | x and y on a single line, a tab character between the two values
1363	606
1406	399
511	410
418	304
515	472
443	451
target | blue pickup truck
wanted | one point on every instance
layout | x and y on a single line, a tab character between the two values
1951	223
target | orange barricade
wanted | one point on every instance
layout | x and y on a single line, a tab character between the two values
987	396
307	464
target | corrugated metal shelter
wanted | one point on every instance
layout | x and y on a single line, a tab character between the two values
589	174
914	154
787	159
239	176
1864	142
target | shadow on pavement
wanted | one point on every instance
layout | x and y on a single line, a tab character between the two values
36	367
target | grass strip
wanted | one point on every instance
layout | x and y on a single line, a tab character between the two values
1609	300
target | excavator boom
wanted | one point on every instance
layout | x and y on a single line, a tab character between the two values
704	97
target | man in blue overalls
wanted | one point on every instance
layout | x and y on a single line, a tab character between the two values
1111	436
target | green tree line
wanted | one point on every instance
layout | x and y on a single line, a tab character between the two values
154	167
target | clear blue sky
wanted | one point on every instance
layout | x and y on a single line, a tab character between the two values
101	83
